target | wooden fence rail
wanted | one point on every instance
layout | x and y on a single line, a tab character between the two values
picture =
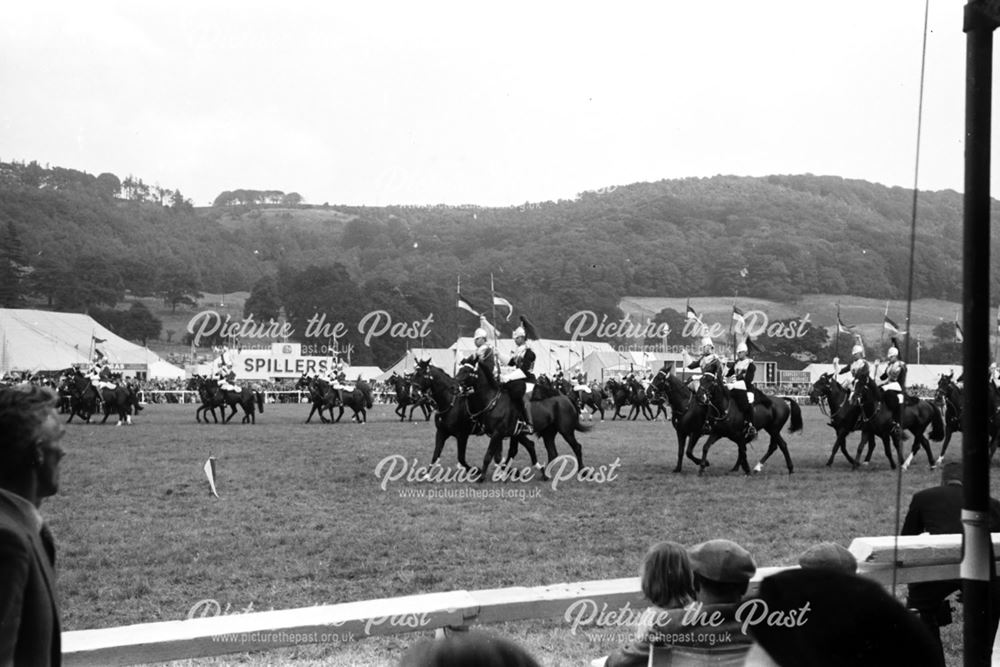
920	558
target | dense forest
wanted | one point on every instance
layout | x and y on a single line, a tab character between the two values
74	241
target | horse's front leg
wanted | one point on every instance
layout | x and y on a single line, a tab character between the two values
493	450
704	452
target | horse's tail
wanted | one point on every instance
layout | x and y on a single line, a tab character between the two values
367	393
796	424
259	395
577	424
937	423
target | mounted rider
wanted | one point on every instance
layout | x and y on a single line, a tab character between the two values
520	381
709	362
337	378
741	387
483	355
224	373
859	370
893	383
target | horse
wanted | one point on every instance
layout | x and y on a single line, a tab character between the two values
358	399
408	394
654	397
321	396
593	400
492	406
119	400
949	400
83	396
246	398
452	418
687	414
768	417
624	393
845	417
917	415
210	400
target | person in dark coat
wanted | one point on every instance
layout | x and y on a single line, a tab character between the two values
938	511
29	471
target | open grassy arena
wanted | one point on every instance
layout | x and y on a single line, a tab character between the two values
302	519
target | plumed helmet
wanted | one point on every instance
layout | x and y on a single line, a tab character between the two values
480	333
519	332
893	352
706	342
858	349
742	347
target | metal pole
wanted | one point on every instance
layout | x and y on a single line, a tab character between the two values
977	561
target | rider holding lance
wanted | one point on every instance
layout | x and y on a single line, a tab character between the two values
521	380
893	383
742	371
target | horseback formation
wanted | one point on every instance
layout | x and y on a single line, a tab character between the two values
221	391
949	396
333	391
878	407
408	394
628	391
99	390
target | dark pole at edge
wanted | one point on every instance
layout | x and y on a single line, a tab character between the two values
977	559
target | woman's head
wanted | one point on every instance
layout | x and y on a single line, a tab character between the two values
667	579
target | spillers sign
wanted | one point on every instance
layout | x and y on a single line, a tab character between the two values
283	360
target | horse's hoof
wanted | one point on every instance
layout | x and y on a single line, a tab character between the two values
676	470
758	468
866	463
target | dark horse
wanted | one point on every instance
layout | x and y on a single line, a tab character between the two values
210	400
453	419
593	400
628	393
769	417
84	400
949	400
246	398
917	415
845	417
409	395
687	414
83	396
323	395
492	406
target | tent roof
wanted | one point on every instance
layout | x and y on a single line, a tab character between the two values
35	340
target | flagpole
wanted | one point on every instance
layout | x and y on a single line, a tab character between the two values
458	295
90	356
884	320
836	336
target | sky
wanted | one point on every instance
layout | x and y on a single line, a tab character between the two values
456	103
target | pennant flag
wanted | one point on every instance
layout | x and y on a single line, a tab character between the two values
959	335
465	305
744	272
99	340
691	314
892	326
752	347
210	473
739	320
843	328
98	354
500	301
529	329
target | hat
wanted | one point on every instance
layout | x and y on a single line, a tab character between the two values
858	349
723	561
893	352
828	556
951	472
742	347
706	341
518	332
480	333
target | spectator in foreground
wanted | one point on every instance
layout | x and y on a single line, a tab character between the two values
668	583
938	511
29	471
468	649
837	619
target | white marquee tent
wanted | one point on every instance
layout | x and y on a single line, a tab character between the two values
36	340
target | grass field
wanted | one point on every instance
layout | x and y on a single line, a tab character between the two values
303	520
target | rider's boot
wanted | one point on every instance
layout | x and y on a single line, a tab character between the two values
529	422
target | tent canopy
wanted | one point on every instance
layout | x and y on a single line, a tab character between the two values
36	340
